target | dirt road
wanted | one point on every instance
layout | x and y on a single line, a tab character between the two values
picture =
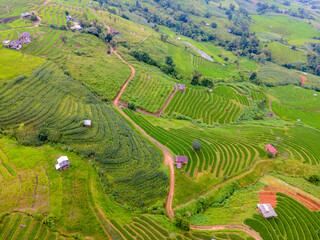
169	160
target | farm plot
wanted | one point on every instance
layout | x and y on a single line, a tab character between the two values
295	31
52	99
149	90
211	69
227	151
46	45
15	7
283	54
223	105
294	221
21	226
274	75
297	97
145	227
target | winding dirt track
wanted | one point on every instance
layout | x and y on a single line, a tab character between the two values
169	160
167	155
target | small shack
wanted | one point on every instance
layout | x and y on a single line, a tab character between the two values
63	163
25	15
114	32
87	123
271	148
24	37
6	43
78	28
211	91
15	45
182	87
70	18
267	210
181	160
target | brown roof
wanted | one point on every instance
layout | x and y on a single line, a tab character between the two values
181	159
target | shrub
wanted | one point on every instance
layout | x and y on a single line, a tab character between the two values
196	145
314	179
181	222
132	106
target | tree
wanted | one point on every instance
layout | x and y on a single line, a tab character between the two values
181	222
109	37
64	38
196	145
132	106
69	24
214	25
33	18
270	155
314	179
196	75
113	43
207	82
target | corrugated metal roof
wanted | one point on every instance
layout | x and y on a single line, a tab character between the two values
181	159
267	210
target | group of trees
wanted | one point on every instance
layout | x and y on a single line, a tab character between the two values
196	79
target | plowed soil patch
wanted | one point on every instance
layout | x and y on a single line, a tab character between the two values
268	195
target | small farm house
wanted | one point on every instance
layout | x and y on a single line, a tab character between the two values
267	210
182	87
63	163
181	160
271	148
211	91
24	37
87	123
78	28
25	15
15	45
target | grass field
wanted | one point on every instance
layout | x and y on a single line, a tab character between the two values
13	64
296	32
85	58
223	105
149	89
294	221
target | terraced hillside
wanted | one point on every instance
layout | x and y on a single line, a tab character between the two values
211	69
56	105
283	54
295	103
294	221
21	226
223	105
15	8
145	228
149	89
47	44
231	150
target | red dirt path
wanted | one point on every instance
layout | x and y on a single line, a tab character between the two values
268	195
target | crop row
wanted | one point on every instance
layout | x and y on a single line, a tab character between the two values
45	45
144	228
212	69
217	156
223	105
18	226
148	92
294	221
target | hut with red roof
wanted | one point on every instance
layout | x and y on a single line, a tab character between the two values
271	148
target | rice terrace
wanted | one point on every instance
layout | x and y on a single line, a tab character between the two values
160	120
